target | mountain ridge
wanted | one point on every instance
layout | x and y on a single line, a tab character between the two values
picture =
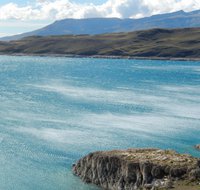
93	26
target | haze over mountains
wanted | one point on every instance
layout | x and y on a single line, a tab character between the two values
93	26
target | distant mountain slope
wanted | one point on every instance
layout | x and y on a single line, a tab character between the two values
94	26
166	43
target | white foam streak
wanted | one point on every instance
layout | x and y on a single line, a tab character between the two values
171	101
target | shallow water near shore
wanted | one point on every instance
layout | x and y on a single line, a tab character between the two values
55	110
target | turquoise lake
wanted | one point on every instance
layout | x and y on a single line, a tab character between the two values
55	110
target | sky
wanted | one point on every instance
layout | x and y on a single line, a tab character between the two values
18	16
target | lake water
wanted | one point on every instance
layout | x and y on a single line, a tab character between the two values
55	110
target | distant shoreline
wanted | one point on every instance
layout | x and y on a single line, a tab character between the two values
102	57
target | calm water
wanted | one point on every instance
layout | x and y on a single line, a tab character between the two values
55	110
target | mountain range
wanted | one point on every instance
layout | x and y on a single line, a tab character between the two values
93	26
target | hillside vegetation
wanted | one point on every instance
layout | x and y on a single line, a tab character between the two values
167	43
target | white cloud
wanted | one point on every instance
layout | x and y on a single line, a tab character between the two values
158	6
60	9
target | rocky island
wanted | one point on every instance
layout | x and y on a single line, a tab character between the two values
139	168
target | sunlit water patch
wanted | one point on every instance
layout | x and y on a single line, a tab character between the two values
55	110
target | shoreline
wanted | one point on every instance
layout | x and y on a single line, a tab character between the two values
102	57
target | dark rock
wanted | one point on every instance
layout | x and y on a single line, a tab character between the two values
195	174
158	172
178	172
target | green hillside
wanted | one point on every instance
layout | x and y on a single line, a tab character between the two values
172	43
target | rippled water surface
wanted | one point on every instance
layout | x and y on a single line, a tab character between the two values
55	110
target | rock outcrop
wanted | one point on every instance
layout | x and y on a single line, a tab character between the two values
197	146
135	168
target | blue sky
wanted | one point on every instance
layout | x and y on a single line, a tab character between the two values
23	2
18	16
15	1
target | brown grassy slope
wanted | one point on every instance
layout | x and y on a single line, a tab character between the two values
175	43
